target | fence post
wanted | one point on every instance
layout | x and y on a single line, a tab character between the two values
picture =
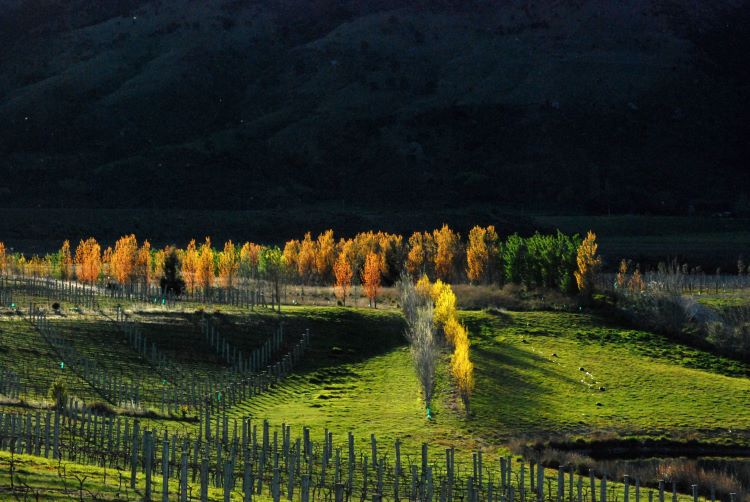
133	452
305	488
184	473
627	488
661	490
248	482
204	479
227	481
147	455
165	471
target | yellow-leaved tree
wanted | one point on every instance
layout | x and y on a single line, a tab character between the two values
445	303
447	246
229	265
462	368
306	259
65	258
204	274
423	286
143	263
189	265
588	265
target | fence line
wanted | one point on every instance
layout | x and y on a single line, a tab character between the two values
255	459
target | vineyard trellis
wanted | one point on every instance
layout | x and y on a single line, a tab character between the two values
254	459
258	373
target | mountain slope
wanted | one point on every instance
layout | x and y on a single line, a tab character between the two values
245	104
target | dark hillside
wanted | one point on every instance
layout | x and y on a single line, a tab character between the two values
240	104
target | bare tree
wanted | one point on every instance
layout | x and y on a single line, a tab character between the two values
420	333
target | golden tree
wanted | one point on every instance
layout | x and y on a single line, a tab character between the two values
421	250
424	287
249	259
588	265
290	257
342	269
88	260
229	264
446	243
66	261
462	368
452	329
445	303
391	247
3	258
325	254
204	273
306	258
189	265
143	263
371	278
157	264
106	261
122	264
477	254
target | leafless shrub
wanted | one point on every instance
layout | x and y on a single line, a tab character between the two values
731	332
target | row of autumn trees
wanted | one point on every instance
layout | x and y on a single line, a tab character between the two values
370	258
432	321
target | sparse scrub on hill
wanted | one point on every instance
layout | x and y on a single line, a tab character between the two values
723	476
661	305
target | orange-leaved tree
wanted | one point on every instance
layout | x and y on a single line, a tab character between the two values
2	258
342	269
371	278
477	255
142	270
88	260
588	265
229	264
204	274
122	264
447	243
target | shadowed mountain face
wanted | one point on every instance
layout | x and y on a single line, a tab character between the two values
241	104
